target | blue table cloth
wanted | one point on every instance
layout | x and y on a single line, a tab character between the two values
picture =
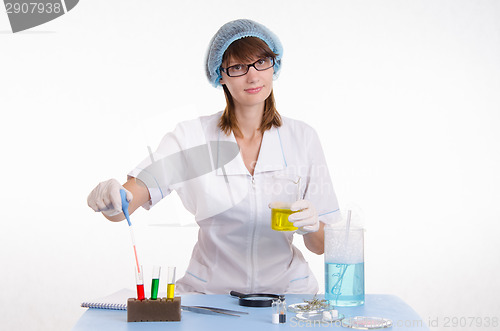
376	305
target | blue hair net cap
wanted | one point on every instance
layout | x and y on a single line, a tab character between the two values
235	30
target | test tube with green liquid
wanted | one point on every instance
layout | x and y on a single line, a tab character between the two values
155	282
171	283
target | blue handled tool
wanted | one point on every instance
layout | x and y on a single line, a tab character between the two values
125	205
123	194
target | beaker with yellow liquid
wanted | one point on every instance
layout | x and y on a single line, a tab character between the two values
279	218
286	190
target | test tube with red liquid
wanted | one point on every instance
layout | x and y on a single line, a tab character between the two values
139	279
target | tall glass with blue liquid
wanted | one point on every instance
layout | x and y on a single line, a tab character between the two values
344	266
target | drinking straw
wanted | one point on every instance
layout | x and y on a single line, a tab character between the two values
338	285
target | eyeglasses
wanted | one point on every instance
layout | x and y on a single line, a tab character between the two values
242	69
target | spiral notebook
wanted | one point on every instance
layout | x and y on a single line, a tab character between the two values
116	301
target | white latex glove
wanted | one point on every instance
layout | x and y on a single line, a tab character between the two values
106	198
307	217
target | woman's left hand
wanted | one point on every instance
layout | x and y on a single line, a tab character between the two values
306	219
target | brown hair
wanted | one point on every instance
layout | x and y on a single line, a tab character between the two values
245	50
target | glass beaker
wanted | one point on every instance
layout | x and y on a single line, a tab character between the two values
285	191
344	266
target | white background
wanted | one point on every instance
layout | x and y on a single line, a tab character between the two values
404	95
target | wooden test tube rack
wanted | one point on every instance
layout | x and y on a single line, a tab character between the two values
160	310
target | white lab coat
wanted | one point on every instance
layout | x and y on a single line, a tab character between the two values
236	248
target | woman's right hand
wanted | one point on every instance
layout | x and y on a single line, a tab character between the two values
106	198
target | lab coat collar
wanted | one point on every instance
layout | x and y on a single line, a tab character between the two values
271	156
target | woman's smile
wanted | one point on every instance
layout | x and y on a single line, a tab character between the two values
254	90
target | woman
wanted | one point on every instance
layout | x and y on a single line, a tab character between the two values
236	248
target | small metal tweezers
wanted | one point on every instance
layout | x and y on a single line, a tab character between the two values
213	310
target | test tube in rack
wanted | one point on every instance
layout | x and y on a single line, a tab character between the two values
171	283
139	279
155	282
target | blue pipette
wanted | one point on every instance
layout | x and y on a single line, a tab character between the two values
125	205
123	195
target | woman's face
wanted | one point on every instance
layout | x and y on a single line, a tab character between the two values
251	89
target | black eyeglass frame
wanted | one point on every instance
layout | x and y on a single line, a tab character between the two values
248	66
